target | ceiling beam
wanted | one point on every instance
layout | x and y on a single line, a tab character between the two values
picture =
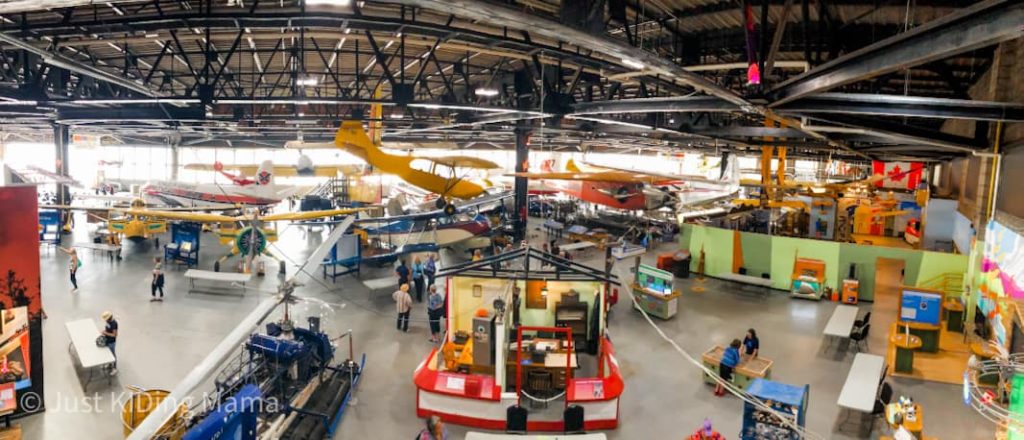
655	105
983	24
908	106
522	21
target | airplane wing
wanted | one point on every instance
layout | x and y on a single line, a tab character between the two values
77	208
603	176
665	178
200	217
463	162
309	215
479	202
280	170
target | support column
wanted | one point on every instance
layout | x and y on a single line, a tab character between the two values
521	183
174	161
61	140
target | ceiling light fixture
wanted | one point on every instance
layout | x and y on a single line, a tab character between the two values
486	91
307	81
329	2
633	64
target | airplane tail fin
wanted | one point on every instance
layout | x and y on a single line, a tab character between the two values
265	173
352	138
729	170
571	167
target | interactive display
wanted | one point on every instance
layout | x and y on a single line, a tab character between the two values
654	279
922	307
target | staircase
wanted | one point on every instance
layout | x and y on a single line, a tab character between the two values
951	284
335	189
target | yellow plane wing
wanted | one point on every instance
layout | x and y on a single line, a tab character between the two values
606	176
309	215
200	217
463	162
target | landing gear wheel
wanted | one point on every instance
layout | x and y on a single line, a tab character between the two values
449	209
440	203
216	266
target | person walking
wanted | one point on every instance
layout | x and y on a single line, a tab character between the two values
73	264
435	430
730	359
417	278
110	332
403	304
429	269
403	273
435	310
158	281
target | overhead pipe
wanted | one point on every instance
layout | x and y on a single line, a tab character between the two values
17	6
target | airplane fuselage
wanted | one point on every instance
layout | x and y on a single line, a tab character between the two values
187	194
625	196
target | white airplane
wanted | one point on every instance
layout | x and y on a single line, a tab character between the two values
258	191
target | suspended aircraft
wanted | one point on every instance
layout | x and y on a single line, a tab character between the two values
262	191
245	233
636	190
444	176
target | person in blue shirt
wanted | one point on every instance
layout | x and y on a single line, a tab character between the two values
417	278
730	359
751	345
435	311
403	273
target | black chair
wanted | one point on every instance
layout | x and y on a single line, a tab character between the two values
573	419
541	383
860	335
861	322
515	419
884	398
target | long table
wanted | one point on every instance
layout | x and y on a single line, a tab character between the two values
222	277
841	323
83	334
861	388
746	371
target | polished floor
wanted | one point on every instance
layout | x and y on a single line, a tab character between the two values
664	398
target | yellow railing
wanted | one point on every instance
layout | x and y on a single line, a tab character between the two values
950	283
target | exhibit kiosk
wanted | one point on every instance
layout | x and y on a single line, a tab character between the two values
524	347
808	279
789	400
654	293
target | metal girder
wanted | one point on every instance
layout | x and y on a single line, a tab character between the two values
64	62
131	114
911	106
653	105
977	26
737	131
515	19
906	134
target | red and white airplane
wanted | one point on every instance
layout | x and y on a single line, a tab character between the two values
260	190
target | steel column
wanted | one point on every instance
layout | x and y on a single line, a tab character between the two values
61	139
521	183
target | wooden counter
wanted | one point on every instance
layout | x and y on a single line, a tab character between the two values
915	426
900	340
928	333
748	369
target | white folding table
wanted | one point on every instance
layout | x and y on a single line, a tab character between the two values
222	277
90	357
841	323
862	382
110	249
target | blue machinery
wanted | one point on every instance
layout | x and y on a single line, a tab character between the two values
284	379
184	245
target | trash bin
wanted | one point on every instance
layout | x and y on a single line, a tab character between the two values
681	264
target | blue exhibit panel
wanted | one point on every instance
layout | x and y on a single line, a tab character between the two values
923	307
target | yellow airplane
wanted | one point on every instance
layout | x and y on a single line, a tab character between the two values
435	174
120	222
245	233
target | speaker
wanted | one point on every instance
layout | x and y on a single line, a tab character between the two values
515	420
573	419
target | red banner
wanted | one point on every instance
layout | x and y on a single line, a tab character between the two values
903	175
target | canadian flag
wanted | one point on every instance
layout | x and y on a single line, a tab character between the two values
904	175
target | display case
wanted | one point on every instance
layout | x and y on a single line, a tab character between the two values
790	401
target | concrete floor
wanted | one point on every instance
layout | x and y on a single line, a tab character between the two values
664	397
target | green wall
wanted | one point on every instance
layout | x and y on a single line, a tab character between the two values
865	258
717	245
757	255
785	250
775	255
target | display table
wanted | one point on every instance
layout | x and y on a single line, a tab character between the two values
954	315
749	368
656	303
928	333
915	426
904	350
84	351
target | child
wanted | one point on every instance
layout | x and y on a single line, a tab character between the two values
730	359
73	264
158	281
